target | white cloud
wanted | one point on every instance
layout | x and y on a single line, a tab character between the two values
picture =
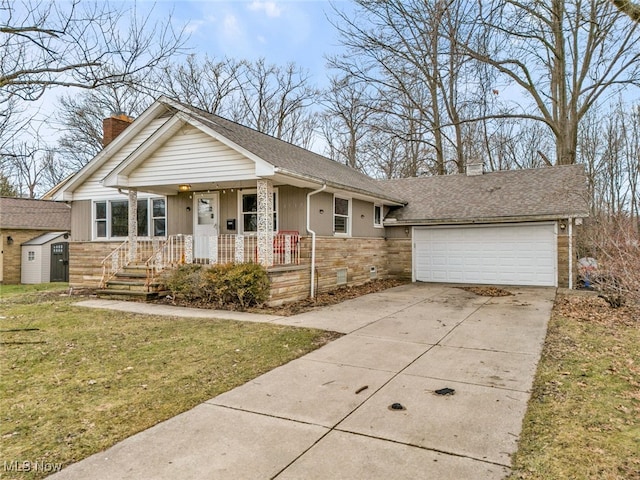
271	9
193	26
231	26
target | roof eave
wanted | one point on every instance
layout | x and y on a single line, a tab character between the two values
65	192
481	220
346	188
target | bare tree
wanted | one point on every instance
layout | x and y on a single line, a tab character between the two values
565	56
409	51
208	85
276	100
270	98
80	118
84	44
628	7
347	118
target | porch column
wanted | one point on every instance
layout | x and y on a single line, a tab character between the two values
133	224
265	222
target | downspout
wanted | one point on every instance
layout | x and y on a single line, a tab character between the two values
313	238
570	253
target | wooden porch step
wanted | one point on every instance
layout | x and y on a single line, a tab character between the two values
126	273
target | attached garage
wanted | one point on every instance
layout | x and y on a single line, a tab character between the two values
500	254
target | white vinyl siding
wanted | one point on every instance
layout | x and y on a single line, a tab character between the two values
517	254
92	188
190	156
36	270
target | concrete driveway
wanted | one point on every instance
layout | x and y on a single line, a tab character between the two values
327	415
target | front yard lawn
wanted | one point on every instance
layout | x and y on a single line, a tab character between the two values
75	381
583	420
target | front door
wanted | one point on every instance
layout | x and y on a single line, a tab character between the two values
205	225
59	262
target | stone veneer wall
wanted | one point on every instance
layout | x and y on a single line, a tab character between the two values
391	259
563	257
85	268
289	284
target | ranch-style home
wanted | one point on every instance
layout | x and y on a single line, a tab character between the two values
179	185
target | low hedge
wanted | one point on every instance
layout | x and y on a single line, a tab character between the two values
234	285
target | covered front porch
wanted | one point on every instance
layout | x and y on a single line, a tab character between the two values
153	256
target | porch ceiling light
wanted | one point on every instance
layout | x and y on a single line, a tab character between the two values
185	187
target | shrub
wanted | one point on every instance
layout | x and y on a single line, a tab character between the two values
229	286
184	282
615	243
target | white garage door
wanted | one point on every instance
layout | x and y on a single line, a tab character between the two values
516	254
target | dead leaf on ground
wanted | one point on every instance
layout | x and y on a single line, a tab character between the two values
488	291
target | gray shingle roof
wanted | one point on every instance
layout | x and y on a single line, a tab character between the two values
544	192
44	238
25	213
293	159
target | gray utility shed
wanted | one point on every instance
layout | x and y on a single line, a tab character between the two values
46	258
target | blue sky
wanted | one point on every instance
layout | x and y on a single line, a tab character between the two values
279	31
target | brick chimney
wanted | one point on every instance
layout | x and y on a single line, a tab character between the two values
114	126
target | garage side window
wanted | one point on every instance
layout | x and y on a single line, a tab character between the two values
341	216
31	256
377	216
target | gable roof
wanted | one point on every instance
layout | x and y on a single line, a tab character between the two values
290	159
282	158
542	193
27	213
61	191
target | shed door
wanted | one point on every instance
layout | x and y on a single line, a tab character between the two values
516	254
59	262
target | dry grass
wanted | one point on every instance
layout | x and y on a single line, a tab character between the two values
583	420
75	381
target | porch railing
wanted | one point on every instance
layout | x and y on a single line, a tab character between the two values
158	255
209	250
123	255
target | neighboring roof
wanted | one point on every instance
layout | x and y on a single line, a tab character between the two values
289	158
26	213
45	238
550	192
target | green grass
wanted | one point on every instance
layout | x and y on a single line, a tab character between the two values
583	420
75	381
6	290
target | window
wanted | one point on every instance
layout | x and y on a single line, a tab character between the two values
119	218
249	211
112	218
377	216
101	219
159	217
31	256
341	214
